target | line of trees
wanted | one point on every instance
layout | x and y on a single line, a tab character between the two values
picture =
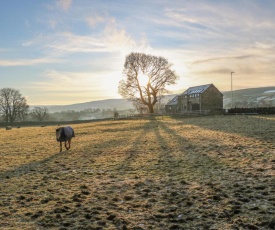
40	113
14	107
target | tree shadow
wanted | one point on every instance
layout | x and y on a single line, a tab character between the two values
133	151
187	151
29	167
257	127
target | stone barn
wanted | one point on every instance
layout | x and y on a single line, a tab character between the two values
172	105
197	99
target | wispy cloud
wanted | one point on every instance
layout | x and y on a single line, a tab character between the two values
224	59
111	39
64	4
27	62
66	81
67	42
75	86
96	19
222	23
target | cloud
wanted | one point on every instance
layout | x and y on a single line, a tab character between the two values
63	79
59	87
27	62
64	4
71	43
28	43
215	71
93	21
210	24
98	19
109	40
181	18
223	59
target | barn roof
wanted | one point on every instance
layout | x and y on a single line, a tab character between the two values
196	89
174	101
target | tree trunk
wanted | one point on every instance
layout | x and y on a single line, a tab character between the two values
151	108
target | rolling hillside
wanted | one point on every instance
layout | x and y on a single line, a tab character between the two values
252	97
119	104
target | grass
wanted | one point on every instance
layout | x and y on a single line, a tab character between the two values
191	173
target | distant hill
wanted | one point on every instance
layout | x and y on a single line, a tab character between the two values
252	97
118	104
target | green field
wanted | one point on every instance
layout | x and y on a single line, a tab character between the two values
214	172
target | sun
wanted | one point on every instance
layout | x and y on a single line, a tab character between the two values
143	79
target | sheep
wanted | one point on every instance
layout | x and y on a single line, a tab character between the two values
64	134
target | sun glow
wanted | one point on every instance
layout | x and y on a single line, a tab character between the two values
143	79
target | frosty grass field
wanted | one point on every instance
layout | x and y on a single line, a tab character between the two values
215	172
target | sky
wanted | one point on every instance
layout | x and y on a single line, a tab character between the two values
60	52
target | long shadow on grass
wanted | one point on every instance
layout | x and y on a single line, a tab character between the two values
258	127
179	166
27	168
123	129
167	161
135	148
199	165
224	183
118	136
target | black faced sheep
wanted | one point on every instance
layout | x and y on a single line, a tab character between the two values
64	134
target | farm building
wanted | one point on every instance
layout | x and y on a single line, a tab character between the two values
204	98
172	105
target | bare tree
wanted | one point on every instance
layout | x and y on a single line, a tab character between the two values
145	77
12	103
23	113
40	113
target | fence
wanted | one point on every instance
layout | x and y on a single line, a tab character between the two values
161	115
141	116
259	110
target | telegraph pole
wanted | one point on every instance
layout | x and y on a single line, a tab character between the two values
231	92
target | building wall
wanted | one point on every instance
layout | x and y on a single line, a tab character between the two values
171	108
189	102
210	99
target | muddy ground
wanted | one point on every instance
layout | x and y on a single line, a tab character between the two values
190	173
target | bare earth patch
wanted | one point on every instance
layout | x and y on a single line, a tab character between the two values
193	173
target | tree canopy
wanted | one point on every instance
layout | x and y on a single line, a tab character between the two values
40	113
12	104
145	78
